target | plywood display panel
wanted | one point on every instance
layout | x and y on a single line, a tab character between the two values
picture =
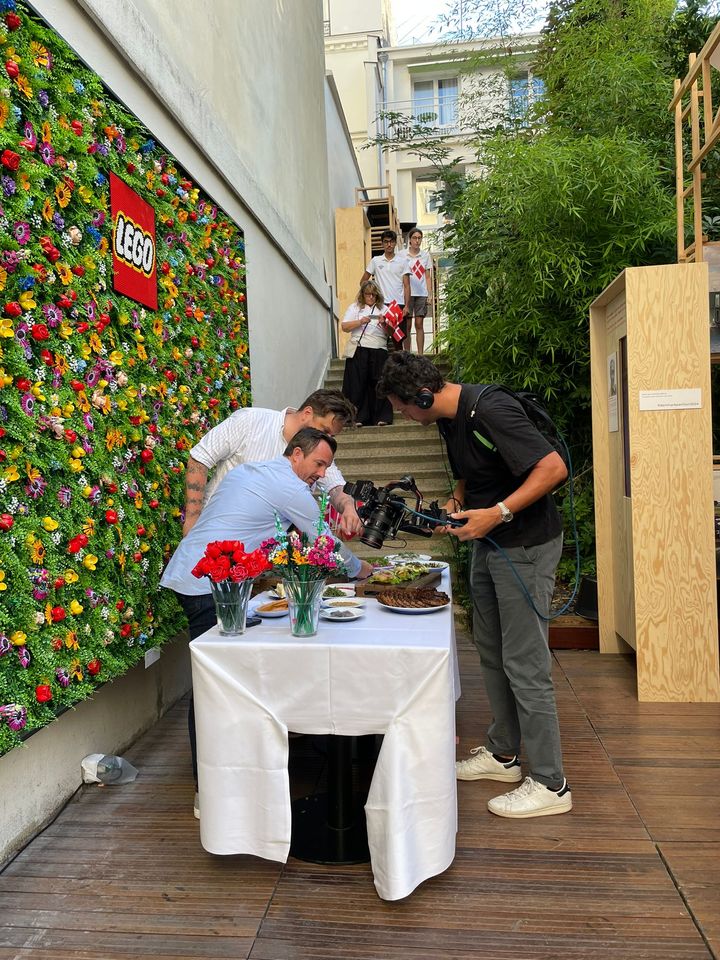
656	550
352	248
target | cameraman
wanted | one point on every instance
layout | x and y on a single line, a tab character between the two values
505	472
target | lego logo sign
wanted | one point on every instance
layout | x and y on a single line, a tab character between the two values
133	244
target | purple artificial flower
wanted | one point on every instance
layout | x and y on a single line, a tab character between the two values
21	232
98	218
8	186
120	143
200	272
58	222
92	378
40	594
64	496
90	311
47	153
62	676
5	645
88	421
43	98
28	404
30	135
14	715
24	657
36	488
53	314
10	260
86	445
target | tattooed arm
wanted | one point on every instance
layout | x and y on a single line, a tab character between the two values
195	482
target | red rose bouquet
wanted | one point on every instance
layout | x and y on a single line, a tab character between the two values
231	571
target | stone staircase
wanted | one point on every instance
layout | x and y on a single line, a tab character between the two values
384	455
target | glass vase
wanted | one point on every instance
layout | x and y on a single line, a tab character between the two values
304	599
231	603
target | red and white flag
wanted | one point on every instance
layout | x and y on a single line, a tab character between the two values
418	269
393	318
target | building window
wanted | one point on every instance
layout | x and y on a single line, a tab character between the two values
435	102
525	91
427	202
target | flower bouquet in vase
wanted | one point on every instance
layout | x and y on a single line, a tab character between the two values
304	563
231	572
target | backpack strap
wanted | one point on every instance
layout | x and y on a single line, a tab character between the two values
472	414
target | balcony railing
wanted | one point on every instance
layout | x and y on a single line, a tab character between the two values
402	119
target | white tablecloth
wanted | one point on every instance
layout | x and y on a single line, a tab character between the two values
386	673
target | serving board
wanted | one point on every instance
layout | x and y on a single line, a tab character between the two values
429	579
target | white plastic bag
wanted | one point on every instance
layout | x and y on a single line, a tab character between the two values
106	768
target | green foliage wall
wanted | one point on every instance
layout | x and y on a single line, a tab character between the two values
100	399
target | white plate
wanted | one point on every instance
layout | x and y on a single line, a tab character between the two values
399	559
270	614
437	565
340	603
347	588
340	616
412	610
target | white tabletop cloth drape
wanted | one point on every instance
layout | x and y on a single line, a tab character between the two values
386	673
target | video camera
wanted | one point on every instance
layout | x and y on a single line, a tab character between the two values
385	514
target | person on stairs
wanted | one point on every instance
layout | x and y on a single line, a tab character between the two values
365	356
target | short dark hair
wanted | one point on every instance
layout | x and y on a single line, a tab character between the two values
307	439
405	374
324	402
388	235
416	230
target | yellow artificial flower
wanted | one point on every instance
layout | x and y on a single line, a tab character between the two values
138	501
71	640
64	272
5	378
37	553
85	193
37	390
89	527
113	438
4	112
3	585
47	210
116	358
68	409
18	638
27	301
96	343
11	474
40	54
61	364
63	195
85	352
65	330
142	352
24	180
70	576
6	328
103	248
46	133
76	670
23	86
90	561
157	325
76	608
75	465
3	278
49	524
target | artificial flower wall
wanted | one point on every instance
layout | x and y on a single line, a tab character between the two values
100	398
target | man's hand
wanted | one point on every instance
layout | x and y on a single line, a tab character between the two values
350	522
365	571
479	523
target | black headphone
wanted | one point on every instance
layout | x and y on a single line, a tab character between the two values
424	398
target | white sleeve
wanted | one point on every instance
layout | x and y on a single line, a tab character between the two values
351	313
370	268
221	442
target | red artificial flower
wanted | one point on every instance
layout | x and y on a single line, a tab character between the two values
111	516
77	128
49	249
10	159
39	331
78	270
130	167
154	504
94	667
141	531
77	543
57	614
137	556
83	327
13	309
47	358
77	385
59	582
23	384
12	21
147	455
120	605
64	302
135	420
43	693
70	435
6	522
125	630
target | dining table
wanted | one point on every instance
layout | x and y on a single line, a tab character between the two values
387	673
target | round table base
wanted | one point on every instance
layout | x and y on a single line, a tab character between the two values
314	840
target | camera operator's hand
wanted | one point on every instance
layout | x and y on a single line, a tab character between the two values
366	570
479	523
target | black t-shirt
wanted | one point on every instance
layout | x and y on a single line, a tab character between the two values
493	450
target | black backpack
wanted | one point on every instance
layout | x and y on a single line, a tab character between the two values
536	413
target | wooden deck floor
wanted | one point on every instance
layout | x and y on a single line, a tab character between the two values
633	872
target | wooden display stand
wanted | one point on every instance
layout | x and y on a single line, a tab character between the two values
352	254
652	454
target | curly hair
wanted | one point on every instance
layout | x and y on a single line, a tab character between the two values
404	374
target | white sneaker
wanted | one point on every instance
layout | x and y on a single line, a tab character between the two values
482	765
196	806
532	799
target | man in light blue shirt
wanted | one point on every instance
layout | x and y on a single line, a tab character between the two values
244	508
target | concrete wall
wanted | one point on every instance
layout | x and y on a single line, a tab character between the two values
235	89
38	777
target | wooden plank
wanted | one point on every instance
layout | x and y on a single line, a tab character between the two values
425	581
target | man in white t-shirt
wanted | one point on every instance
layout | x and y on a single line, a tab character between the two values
253	434
391	272
420	263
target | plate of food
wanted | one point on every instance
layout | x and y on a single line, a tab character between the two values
278	591
401	573
339	590
273	608
413	601
343	603
335	614
407	556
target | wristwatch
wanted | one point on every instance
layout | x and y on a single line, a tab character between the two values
505	514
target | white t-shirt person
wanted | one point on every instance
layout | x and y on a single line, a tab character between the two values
389	275
420	265
373	333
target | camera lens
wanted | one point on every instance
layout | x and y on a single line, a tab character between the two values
380	525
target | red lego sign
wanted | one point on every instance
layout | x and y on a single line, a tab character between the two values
133	244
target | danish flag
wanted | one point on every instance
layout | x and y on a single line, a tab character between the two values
393	318
418	269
